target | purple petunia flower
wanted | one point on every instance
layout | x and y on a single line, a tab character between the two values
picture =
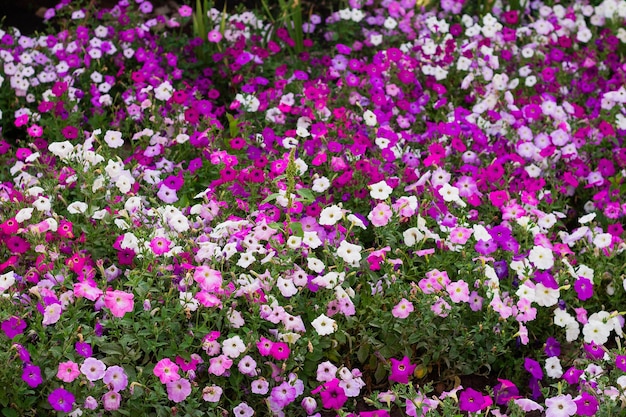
533	367
32	375
553	347
61	400
13	326
83	349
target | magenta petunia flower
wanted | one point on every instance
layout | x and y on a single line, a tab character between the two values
401	370
70	132
472	401
594	351
61	400
13	326
264	346
32	375
505	391
584	288
16	244
333	396
586	404
572	375
280	351
533	367
160	245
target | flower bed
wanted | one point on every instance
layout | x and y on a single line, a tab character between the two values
337	216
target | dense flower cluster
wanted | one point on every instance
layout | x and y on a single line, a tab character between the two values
194	225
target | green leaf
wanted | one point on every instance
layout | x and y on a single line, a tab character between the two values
306	194
270	197
380	373
112	349
296	229
233	125
9	412
363	353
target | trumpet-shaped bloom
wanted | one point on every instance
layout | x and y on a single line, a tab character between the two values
61	400
401	370
560	406
119	302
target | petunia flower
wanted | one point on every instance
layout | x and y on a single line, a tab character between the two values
61	400
560	406
401	370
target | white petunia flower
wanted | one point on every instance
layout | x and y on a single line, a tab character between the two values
315	265
320	184
77	207
546	297
24	214
541	257
113	138
597	331
324	325
6	281
553	367
412	236
233	347
349	252
602	240
380	190
61	149
370	118
330	215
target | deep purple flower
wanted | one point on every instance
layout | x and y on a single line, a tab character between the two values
61	400
32	375
533	367
620	362
13	326
535	389
553	347
502	269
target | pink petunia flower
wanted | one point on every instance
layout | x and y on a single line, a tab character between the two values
402	309
119	302
166	371
93	369
68	371
178	390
